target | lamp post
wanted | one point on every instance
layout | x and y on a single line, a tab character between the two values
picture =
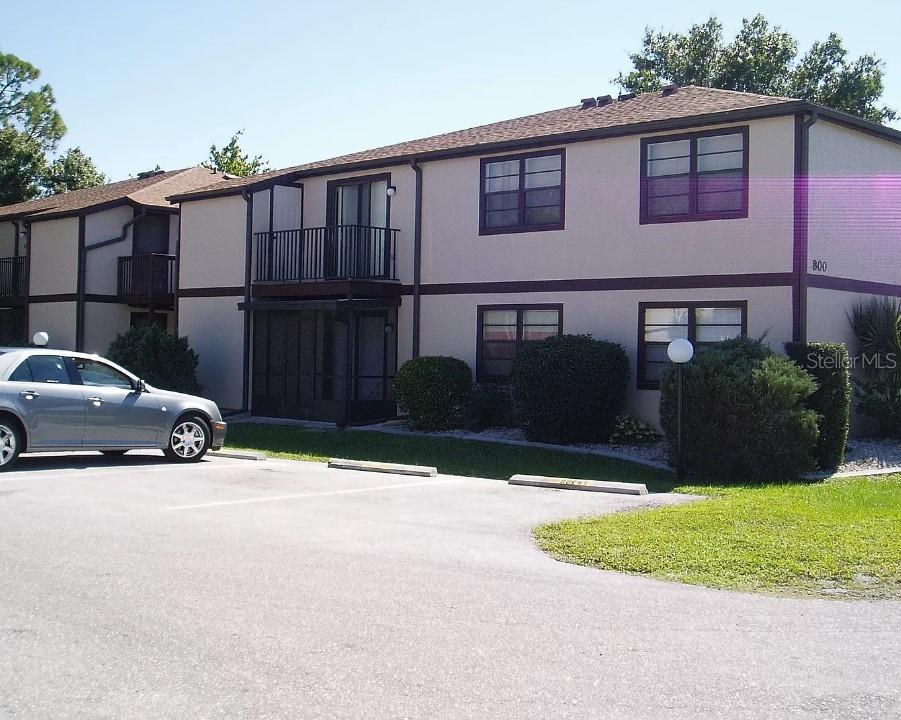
680	351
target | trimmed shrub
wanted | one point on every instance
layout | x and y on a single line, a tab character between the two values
744	414
570	388
432	389
489	405
829	365
160	359
630	430
877	325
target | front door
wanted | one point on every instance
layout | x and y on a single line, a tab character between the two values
48	401
116	415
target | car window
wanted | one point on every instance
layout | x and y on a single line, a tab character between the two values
98	373
42	369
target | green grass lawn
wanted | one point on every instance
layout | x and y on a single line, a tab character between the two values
840	538
471	458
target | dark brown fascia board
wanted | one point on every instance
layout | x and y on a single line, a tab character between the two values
855	123
87	210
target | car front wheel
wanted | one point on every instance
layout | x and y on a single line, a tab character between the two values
10	444
189	439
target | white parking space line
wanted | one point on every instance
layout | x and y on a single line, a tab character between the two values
297	496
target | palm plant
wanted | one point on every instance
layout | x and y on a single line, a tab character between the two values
877	325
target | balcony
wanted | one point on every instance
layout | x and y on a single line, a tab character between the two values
321	261
12	276
147	279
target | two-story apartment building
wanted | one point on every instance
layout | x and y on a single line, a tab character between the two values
690	212
87	264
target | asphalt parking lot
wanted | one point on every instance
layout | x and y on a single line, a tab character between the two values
133	588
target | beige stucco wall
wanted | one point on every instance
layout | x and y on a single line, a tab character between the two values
603	237
212	242
54	257
449	322
215	330
854	204
55	318
101	266
102	322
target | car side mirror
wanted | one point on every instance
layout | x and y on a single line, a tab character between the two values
139	386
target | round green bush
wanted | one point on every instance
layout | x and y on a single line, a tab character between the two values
570	388
160	359
744	413
433	389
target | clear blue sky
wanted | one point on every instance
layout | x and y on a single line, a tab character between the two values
141	84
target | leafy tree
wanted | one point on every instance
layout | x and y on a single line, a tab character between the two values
29	110
762	58
233	160
73	170
22	165
30	127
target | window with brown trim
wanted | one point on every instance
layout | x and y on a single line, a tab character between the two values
521	193
695	176
702	323
504	329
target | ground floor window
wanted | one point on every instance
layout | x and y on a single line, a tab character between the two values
703	323
502	331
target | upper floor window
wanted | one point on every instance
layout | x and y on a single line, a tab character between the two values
521	193
697	176
503	329
702	323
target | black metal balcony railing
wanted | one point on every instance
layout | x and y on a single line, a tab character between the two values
335	252
147	276
12	275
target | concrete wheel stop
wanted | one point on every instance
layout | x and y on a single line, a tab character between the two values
606	486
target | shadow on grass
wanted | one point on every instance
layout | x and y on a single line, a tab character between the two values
452	456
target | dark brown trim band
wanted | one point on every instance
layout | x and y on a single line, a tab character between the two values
54	297
866	287
80	284
107	299
206	292
674	282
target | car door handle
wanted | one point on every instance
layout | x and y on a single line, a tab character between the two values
96	401
29	394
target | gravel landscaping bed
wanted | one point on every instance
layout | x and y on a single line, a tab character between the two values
871	454
862	453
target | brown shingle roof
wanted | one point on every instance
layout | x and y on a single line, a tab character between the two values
686	102
148	192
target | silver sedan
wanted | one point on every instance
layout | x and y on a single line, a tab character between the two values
54	400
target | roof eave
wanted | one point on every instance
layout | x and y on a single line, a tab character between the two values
771	110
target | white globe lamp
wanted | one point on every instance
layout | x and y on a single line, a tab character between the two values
680	351
40	338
